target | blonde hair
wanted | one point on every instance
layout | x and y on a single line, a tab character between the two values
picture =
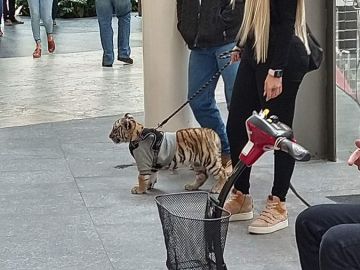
256	22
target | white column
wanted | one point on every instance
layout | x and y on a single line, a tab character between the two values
165	66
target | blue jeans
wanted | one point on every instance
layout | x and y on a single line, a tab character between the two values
328	237
41	9
203	64
105	10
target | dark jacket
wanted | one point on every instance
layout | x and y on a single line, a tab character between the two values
213	23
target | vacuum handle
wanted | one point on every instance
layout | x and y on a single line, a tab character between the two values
293	149
237	171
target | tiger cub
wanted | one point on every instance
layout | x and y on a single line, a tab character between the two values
152	150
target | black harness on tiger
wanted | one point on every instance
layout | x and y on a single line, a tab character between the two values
157	138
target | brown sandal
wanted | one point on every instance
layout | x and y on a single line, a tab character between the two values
51	44
37	52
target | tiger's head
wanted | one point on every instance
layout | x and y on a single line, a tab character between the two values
126	129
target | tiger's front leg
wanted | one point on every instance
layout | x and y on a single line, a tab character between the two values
152	181
200	178
143	184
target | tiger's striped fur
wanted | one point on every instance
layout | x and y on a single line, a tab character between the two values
199	148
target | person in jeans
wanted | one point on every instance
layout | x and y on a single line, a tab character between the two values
9	13
328	236
274	60
209	28
41	9
105	10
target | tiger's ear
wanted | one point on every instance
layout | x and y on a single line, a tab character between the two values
126	120
128	115
126	123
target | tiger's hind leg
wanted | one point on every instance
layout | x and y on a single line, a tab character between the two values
200	177
220	176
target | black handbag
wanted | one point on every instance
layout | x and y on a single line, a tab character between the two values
317	53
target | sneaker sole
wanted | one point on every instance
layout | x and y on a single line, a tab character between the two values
265	230
242	216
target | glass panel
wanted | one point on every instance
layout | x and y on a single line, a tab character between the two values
347	75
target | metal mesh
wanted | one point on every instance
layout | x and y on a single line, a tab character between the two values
194	240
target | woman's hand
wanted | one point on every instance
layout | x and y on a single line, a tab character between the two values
272	87
235	56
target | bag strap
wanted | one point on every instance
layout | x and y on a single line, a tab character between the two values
308	30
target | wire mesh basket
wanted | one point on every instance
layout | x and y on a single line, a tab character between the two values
194	240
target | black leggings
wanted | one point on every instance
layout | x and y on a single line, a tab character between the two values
248	96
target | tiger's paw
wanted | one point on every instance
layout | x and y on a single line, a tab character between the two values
151	185
137	190
190	187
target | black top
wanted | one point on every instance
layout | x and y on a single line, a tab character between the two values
209	24
282	32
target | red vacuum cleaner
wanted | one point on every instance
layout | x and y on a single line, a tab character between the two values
265	134
195	224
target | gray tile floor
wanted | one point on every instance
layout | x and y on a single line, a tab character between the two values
64	201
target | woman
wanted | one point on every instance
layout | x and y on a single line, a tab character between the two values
275	58
41	9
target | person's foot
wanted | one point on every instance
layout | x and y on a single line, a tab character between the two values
16	21
127	60
273	218
51	44
239	205
8	22
37	52
106	65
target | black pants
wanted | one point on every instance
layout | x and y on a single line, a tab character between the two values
54	9
248	96
9	10
328	237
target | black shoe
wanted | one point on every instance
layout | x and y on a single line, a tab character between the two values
106	65
126	60
15	21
